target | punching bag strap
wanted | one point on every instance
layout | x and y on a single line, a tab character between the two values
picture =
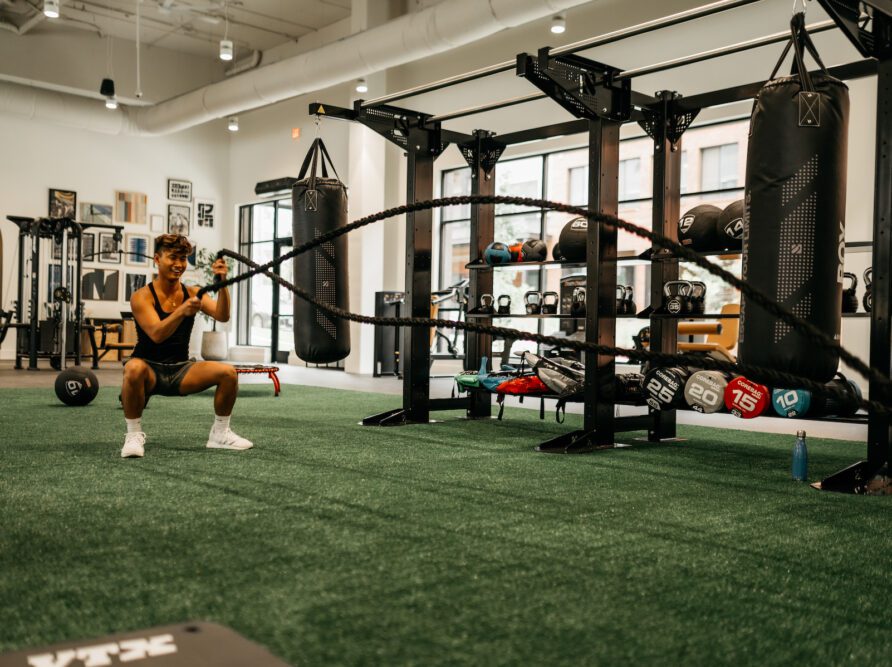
800	41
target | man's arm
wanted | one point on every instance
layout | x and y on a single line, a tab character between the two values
218	308
159	330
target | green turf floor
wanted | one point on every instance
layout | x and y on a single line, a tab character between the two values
451	543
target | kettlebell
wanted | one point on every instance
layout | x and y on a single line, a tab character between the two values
678	297
550	303
485	307
698	297
577	305
629	301
620	299
533	302
849	295
867	300
504	305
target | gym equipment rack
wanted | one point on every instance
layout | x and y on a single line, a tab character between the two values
601	99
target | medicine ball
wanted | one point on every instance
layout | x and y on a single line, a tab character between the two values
697	228
76	386
573	240
533	250
729	227
556	252
496	253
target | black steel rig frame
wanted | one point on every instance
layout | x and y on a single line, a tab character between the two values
602	100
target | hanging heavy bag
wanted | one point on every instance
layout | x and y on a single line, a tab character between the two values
794	214
320	206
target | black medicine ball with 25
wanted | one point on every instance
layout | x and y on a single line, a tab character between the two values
794	229
76	386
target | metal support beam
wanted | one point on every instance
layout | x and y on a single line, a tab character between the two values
666	194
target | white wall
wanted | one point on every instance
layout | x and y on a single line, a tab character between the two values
39	156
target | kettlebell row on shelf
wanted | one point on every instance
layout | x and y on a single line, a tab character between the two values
683	297
850	292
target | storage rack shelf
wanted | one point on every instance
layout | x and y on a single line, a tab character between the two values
600	108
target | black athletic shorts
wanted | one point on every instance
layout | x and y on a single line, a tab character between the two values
168	377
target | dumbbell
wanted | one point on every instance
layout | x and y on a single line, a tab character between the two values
577	305
705	391
533	302
504	303
801	402
677	297
746	399
867	300
550	303
698	297
664	387
849	294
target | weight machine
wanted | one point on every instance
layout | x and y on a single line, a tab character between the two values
55	336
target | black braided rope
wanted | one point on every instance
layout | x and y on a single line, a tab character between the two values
772	377
810	331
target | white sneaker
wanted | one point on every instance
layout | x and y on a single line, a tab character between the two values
226	439
134	445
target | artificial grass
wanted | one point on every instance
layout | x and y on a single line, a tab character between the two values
451	543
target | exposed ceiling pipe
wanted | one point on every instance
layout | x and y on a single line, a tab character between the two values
243	65
26	26
442	27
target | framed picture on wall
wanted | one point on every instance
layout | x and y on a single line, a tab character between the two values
100	285
130	207
108	249
178	190
178	219
96	213
88	246
205	213
156	225
137	249
63	204
133	282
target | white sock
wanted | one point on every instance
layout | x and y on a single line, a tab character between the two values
134	425
221	423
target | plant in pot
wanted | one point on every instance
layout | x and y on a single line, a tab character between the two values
214	345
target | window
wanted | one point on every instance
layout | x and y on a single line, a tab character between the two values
563	176
718	167
629	178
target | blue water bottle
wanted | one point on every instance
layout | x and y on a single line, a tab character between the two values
800	458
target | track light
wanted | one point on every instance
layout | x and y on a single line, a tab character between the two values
51	8
558	24
233	124
107	90
361	86
226	49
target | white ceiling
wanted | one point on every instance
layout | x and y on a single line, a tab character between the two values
188	26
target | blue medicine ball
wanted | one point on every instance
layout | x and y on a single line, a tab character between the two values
496	253
791	402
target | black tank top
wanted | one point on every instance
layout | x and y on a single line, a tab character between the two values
172	350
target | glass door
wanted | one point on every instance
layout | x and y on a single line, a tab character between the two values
283	309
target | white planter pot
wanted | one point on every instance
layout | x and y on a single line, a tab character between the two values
213	346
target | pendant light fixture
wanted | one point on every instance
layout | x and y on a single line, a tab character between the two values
227	50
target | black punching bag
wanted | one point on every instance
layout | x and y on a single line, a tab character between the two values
320	206
794	217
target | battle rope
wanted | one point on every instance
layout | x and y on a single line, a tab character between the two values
771	376
810	331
